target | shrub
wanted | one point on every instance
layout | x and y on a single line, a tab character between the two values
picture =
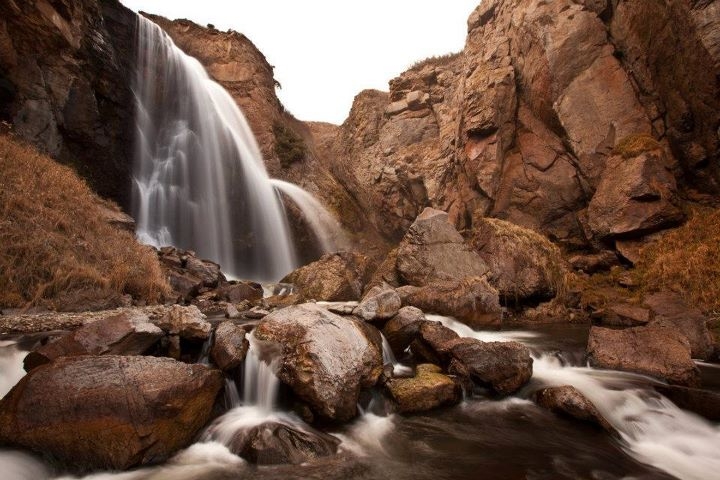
633	145
687	260
437	60
57	248
289	146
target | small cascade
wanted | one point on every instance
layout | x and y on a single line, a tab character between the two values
260	384
328	232
11	366
200	182
399	369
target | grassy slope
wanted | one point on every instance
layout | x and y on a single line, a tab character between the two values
56	248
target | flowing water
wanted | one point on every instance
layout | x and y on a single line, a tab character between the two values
199	180
481	438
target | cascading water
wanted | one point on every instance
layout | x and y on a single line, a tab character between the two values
389	359
199	181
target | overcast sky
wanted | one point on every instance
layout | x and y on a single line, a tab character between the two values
326	51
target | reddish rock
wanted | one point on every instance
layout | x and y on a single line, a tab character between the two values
335	277
229	347
431	343
381	303
403	328
109	412
185	322
651	350
127	333
569	401
427	390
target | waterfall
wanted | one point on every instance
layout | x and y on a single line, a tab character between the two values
199	178
389	359
328	231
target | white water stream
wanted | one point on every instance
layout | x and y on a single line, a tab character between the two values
200	182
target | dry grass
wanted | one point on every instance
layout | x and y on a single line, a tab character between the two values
687	260
633	145
57	250
437	60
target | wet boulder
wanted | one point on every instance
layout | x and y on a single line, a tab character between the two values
427	390
236	292
273	443
335	277
503	367
471	300
433	250
403	328
127	333
229	347
569	401
186	322
109	412
432	342
379	303
325	359
186	273
652	350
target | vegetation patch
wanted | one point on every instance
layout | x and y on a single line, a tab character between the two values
57	248
289	146
633	145
687	261
437	60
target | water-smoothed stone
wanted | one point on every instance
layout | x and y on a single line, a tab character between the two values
325	359
471	300
502	366
569	401
335	277
381	303
109	412
229	347
433	250
403	328
237	292
431	342
651	350
127	333
187	322
273	443
625	315
427	390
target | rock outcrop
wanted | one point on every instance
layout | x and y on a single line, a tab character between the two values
109	412
335	277
325	359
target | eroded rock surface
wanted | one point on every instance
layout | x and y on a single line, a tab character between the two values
335	277
428	389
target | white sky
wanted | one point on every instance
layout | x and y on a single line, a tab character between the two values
326	51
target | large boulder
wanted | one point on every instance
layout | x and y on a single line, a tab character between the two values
402	329
109	412
671	311
524	265
272	443
433	250
186	273
185	322
471	300
427	390
229	347
636	194
569	401
379	303
325	359
432	343
651	350
504	367
236	292
335	277
127	333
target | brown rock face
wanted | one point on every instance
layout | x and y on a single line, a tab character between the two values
433	250
503	366
109	412
402	329
127	333
472	300
379	303
568	400
326	359
635	197
185	322
522	123
335	277
652	350
65	68
427	390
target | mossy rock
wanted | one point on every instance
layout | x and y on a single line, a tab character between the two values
636	144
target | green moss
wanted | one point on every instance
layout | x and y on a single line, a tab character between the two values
289	146
633	145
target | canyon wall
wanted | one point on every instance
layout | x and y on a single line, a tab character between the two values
523	123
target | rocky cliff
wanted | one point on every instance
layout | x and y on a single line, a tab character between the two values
588	121
64	70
